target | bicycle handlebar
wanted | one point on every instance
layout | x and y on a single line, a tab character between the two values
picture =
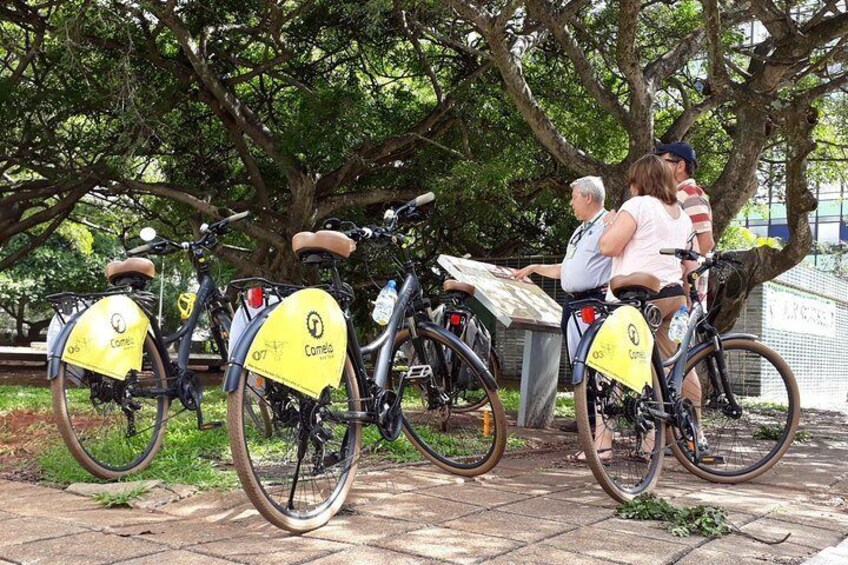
166	246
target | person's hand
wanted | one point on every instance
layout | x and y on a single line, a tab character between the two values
522	274
609	217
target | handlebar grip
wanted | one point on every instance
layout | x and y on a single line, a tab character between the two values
147	247
668	251
422	200
237	217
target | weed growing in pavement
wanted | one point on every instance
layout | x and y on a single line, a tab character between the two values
120	499
774	433
707	521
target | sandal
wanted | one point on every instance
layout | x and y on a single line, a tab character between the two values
580	456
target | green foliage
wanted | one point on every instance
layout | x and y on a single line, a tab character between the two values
120	499
737	237
706	521
774	433
71	260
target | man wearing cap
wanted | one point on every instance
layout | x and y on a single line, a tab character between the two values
584	271
681	159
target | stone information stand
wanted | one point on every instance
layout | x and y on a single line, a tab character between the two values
520	304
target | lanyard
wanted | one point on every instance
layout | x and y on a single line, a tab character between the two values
578	235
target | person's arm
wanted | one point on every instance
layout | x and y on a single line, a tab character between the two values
618	234
706	241
551	271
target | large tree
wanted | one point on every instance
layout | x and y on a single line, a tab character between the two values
660	71
297	110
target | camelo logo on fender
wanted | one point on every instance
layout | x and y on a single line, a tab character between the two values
315	324
118	323
633	334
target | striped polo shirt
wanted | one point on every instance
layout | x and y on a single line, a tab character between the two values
695	203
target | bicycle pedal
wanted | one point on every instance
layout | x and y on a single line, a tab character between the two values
712	460
206	426
418	373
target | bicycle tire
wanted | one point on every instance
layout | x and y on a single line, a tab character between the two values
641	476
74	427
712	472
417	424
258	491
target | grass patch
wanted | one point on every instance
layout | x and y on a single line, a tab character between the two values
563	408
188	455
25	398
774	433
706	521
121	499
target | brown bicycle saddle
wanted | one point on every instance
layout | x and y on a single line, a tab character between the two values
634	282
456	286
132	266
332	242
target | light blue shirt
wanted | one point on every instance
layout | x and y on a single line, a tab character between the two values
583	267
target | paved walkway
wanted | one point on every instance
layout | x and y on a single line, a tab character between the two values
532	509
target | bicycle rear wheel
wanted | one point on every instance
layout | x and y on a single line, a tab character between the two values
622	442
452	414
298	476
744	444
112	428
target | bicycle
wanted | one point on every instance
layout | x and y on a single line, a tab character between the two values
300	476
455	316
111	376
741	426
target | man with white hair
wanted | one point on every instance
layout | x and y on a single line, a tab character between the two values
584	271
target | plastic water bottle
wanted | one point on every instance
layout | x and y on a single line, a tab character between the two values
679	325
385	304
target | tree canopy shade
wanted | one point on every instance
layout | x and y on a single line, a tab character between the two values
299	110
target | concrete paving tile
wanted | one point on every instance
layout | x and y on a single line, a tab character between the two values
478	495
266	549
449	545
88	548
361	529
112	517
744	548
45	505
24	530
810	515
423	510
701	556
808	536
593	496
369	556
212	503
621	547
751	500
177	557
522	484
179	534
558	510
541	554
509	526
647	529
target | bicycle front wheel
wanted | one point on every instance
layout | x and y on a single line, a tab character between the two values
742	439
451	412
298	476
621	440
112	427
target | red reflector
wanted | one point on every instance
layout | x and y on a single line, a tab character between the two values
455	319
587	313
255	297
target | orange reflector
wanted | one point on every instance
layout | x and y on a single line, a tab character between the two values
255	297
587	313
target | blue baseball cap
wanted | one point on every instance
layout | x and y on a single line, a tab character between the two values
681	149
